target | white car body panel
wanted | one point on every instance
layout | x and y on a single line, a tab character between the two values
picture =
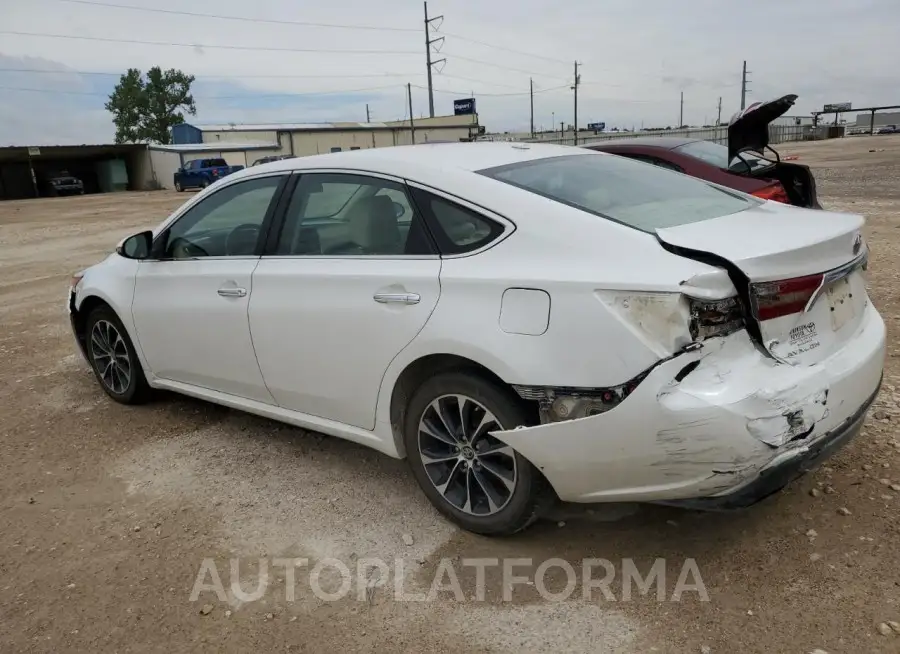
320	353
322	340
191	334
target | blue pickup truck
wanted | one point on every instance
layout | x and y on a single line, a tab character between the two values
202	172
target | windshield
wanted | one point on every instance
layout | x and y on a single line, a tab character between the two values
717	155
639	195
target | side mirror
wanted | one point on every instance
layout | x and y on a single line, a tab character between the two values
137	246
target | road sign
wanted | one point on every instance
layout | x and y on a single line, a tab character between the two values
837	106
34	152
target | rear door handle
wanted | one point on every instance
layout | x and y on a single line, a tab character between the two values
397	298
232	292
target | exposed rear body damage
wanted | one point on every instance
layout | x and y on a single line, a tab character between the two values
736	414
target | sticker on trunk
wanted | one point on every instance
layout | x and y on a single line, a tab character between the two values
803	338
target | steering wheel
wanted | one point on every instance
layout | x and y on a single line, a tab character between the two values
242	240
181	248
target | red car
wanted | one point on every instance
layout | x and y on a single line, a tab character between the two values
730	165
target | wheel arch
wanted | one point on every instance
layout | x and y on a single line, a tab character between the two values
431	365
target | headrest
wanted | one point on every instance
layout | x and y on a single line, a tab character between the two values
373	225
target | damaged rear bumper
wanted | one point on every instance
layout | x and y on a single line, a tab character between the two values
737	427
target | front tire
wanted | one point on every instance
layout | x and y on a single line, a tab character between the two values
113	358
178	187
474	479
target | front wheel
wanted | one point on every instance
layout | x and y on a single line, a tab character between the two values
476	480
113	358
178	187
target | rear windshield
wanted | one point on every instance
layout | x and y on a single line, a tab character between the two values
636	194
212	163
717	155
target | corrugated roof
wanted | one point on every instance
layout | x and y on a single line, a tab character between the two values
218	146
288	127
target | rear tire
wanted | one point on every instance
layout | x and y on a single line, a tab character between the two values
113	358
475	480
204	183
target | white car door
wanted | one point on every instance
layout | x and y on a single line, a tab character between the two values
352	280
191	299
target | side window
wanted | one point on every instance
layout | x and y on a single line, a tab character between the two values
662	163
335	149
225	224
189	165
351	215
456	229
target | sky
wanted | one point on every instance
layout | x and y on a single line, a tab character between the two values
636	57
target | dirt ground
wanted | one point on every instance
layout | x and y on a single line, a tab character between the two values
107	512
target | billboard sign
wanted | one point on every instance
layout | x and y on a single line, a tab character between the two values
464	106
597	127
837	106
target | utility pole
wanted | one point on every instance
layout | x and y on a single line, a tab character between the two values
367	113
562	129
719	119
412	126
575	88
744	87
428	62
531	86
681	112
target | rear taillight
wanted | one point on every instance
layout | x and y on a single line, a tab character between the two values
774	192
715	317
786	297
215	173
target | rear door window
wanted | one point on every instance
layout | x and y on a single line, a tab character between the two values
644	197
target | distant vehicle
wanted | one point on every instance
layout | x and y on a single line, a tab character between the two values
271	158
60	183
202	172
889	129
732	165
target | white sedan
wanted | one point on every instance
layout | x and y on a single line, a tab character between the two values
521	322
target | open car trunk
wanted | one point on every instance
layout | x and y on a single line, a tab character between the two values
748	131
799	277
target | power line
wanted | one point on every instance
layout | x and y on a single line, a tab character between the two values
495	95
245	76
500	47
239	18
247	96
209	46
493	65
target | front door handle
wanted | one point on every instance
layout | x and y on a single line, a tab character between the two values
232	292
397	298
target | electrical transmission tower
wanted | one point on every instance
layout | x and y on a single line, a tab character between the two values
744	88
428	62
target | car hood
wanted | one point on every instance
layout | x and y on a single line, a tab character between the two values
749	128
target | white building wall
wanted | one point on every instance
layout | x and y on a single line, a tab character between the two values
240	136
164	165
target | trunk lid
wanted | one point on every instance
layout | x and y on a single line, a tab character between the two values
749	128
798	271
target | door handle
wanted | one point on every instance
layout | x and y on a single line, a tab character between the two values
232	292
397	298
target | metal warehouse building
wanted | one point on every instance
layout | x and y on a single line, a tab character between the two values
242	145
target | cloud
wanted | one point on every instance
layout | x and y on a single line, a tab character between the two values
636	60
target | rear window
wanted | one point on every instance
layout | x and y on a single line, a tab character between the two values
636	194
717	155
212	163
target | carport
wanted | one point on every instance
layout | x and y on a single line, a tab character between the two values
23	168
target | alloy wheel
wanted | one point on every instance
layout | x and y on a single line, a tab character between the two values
110	356
473	471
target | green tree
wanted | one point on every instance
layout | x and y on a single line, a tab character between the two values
145	109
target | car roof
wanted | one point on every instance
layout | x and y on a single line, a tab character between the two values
430	157
665	142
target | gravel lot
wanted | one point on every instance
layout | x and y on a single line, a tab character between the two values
107	512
